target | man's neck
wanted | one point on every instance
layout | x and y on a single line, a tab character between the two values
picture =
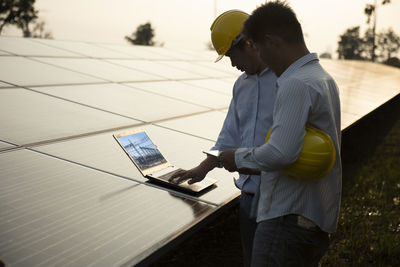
289	54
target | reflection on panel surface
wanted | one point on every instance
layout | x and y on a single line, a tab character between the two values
186	92
217	85
138	52
27	117
124	100
103	152
23	71
157	68
5	85
101	69
207	125
28	47
195	67
4	145
83	49
57	213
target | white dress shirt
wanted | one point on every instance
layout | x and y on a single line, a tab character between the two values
249	118
306	95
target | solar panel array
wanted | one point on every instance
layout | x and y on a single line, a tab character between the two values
69	196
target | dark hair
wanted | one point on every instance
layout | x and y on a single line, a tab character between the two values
275	17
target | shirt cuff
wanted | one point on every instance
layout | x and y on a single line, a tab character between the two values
244	159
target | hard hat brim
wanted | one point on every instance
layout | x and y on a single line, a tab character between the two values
219	58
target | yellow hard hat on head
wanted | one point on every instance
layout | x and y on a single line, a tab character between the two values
225	29
316	159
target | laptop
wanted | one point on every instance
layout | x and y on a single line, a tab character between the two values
152	164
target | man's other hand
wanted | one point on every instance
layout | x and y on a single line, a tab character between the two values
227	159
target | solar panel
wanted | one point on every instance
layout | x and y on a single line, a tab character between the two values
55	212
68	193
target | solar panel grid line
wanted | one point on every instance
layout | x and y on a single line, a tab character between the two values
28	47
196	68
195	95
151	55
50	44
82	104
16	86
148	66
24	71
88	47
103	71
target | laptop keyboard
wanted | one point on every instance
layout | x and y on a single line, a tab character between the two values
168	175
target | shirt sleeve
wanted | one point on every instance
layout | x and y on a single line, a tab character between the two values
229	136
291	112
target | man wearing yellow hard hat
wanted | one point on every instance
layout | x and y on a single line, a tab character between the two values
249	116
294	216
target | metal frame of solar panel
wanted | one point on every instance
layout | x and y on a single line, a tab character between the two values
68	193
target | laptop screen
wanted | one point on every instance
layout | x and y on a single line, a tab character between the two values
142	150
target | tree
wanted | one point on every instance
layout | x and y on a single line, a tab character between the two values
326	55
143	36
40	32
393	61
388	44
370	11
19	13
350	44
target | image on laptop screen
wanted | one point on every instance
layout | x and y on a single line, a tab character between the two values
142	150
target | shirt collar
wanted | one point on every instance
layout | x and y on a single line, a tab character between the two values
296	65
261	73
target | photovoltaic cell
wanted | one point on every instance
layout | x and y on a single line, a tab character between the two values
158	69
29	117
83	49
101	69
27	47
124	100
185	92
207	125
27	72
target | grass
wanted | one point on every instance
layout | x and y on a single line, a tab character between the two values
368	231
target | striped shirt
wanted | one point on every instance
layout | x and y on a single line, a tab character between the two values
306	94
249	118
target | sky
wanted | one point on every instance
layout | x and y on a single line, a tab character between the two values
186	23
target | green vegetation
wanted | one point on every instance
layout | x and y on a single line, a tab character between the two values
369	223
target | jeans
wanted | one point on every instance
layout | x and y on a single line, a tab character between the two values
283	242
247	227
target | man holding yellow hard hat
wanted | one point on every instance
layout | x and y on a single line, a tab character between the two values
298	205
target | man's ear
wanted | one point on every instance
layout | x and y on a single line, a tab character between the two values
273	40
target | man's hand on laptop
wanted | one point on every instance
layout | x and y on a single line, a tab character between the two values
193	175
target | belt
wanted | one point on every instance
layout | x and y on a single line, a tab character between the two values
300	221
